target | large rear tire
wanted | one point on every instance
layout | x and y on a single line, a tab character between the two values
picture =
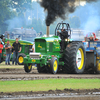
28	68
74	58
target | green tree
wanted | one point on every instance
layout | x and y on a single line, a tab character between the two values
10	9
21	5
5	13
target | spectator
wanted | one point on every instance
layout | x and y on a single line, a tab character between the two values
16	49
33	47
1	47
8	53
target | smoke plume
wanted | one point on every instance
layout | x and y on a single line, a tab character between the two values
92	21
59	8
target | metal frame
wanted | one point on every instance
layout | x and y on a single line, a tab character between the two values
58	27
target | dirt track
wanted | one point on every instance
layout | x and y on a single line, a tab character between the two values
66	94
20	74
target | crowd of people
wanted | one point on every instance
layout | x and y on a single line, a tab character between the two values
15	49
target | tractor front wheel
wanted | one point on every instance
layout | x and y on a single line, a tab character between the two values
54	65
28	68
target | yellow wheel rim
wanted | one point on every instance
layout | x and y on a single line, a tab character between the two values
98	65
29	67
80	59
55	65
21	59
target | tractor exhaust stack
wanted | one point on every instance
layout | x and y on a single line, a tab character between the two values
47	31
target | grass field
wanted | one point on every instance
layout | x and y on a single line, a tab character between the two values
47	84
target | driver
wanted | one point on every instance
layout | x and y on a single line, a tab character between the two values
93	37
63	34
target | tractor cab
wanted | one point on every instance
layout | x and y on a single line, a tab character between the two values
64	32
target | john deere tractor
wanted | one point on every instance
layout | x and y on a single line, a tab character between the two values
57	53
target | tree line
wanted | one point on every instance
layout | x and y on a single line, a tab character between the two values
28	14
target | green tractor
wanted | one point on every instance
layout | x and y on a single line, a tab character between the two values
57	53
25	45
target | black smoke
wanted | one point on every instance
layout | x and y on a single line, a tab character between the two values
59	8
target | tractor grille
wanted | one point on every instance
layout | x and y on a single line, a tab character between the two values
50	47
26	48
35	55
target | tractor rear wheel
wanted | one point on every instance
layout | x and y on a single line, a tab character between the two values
74	58
54	65
28	68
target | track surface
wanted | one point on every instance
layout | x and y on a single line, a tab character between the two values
20	74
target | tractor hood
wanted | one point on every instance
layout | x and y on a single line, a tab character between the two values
50	39
47	44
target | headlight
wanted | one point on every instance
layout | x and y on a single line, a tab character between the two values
40	55
66	39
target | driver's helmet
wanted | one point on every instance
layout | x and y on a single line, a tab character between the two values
63	29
